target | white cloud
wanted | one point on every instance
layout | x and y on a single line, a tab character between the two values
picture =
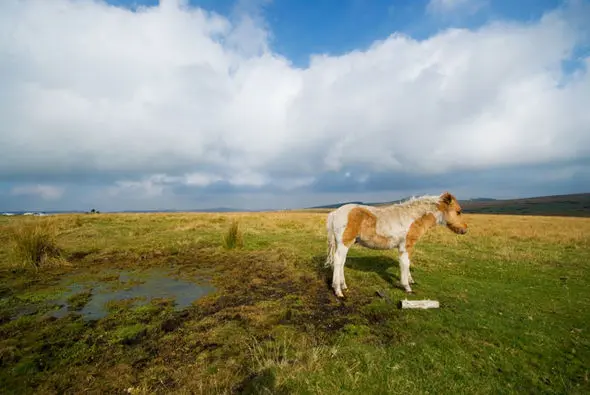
45	192
199	179
157	184
147	188
248	178
186	97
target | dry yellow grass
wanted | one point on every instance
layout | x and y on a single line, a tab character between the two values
513	292
281	229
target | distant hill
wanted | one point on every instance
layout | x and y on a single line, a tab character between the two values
206	210
573	205
335	205
482	200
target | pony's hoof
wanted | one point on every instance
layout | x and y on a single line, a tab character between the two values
339	294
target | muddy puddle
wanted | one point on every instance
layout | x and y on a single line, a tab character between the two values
142	287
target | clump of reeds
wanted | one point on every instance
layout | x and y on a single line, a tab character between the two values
34	245
233	238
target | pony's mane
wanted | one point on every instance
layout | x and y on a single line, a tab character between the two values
418	205
420	201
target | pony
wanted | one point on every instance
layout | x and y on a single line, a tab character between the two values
397	225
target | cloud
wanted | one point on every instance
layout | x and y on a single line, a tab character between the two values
45	192
173	96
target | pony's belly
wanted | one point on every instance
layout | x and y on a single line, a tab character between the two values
376	243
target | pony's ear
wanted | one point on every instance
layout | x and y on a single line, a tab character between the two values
446	198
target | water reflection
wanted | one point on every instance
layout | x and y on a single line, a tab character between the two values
143	287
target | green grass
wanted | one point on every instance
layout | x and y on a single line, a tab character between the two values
514	315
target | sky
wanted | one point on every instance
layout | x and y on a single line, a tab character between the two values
271	104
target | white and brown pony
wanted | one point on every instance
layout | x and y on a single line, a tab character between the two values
382	228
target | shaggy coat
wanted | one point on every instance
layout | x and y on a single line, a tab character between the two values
394	226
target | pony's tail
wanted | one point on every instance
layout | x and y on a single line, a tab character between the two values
331	241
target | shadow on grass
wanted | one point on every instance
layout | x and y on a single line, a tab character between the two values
261	383
376	264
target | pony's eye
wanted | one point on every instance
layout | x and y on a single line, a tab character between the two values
459	212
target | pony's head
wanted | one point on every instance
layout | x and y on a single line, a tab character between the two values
451	213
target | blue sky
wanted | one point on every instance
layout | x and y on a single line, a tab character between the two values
303	27
290	103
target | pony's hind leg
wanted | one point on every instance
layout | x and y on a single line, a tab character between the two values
342	279
338	281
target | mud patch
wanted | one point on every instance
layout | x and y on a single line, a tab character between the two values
137	287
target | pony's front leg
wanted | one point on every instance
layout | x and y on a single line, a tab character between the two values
404	269
342	279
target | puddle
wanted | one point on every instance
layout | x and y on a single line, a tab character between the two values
141	286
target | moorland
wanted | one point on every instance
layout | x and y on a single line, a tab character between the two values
261	317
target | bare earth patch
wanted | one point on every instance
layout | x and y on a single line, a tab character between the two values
513	317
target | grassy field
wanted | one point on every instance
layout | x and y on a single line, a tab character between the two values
514	316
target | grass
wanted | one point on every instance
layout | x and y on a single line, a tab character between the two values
514	316
33	244
233	238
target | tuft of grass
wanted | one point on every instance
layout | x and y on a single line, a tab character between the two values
514	313
34	245
79	300
234	237
128	334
